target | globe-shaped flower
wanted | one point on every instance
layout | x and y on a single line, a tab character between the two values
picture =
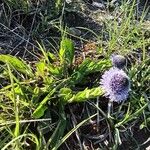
118	61
116	84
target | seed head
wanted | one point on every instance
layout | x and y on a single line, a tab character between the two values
118	61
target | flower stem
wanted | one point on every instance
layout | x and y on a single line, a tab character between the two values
109	109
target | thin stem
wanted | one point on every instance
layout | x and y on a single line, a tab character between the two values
109	109
97	104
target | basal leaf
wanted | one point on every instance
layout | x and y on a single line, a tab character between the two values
44	69
87	94
40	68
17	64
66	52
89	66
81	96
55	70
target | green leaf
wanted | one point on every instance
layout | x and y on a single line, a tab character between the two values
40	69
17	64
89	66
86	94
36	94
39	111
55	70
66	52
44	69
65	94
51	57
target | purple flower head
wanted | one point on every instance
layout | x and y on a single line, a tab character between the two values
116	84
118	61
